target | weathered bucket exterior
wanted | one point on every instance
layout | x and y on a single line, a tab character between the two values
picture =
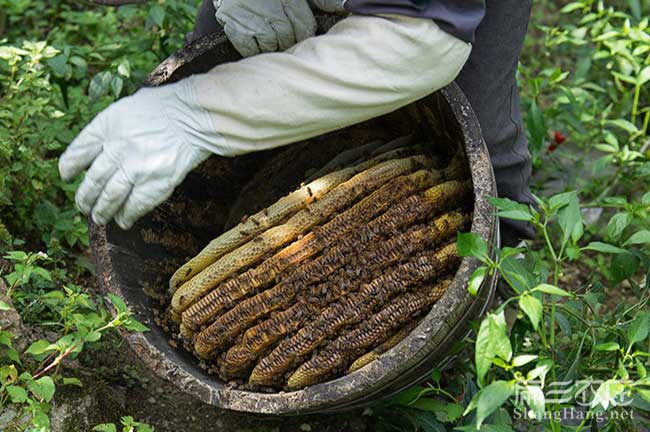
138	263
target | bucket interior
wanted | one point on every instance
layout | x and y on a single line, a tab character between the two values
218	193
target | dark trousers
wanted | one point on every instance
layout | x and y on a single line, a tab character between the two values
489	81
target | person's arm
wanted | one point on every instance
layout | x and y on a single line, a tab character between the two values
143	146
364	67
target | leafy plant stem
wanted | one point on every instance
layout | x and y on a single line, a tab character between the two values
635	104
70	350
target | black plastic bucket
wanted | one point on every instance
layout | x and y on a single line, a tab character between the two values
139	262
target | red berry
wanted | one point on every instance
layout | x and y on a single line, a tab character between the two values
559	138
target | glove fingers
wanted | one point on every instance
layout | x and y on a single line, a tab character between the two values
286	37
301	18
268	40
142	200
90	189
81	152
112	198
244	43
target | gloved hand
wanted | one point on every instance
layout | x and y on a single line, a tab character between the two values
139	149
255	26
331	6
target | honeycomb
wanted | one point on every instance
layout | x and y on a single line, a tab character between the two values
329	277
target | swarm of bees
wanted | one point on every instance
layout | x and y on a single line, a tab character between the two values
329	277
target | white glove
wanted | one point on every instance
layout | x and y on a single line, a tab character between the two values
256	26
331	6
139	149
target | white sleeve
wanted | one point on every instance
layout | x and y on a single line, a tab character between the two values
362	68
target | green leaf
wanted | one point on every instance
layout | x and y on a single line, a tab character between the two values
570	219
59	65
118	303
5	338
99	86
490	399
607	346
641	237
523	360
536	127
80	63
13	355
638	329
542	368
124	69
8	375
43	388
516	274
534	397
4	306
454	411
532	308
44	274
72	381
491	341
134	325
572	7
17	256
607	393
157	15
106	427
617	224
626	125
517	215
476	280
560	200
622	371
623	266
644	75
93	337
41	422
573	252
472	245
427	404
640	368
39	347
116	86
17	394
552	290
604	248
645	394
505	204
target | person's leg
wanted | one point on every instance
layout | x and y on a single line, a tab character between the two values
206	22
489	82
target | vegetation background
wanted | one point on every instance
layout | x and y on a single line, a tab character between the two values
577	313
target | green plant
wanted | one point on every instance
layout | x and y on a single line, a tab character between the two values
60	63
596	98
128	425
553	335
620	343
28	381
